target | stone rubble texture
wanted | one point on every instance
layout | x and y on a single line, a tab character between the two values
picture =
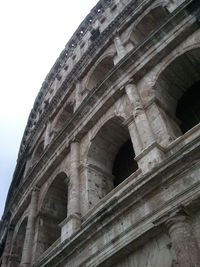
108	171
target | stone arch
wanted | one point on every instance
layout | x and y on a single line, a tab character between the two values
48	184
107	147
170	58
18	243
148	22
176	80
99	71
62	118
52	211
104	120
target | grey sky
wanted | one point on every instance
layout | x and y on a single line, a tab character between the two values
32	33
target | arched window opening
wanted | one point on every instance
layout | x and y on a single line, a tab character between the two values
53	212
124	164
62	118
177	90
188	108
100	72
110	147
148	24
18	244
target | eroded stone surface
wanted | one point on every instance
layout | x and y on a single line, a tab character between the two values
108	172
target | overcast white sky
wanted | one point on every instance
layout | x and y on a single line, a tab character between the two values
32	35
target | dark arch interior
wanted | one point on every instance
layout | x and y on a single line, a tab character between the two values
177	89
188	108
124	164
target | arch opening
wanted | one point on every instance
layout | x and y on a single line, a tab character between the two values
124	163
148	24
53	212
100	72
110	159
188	108
62	118
177	89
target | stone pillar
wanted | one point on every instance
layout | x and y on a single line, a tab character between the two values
151	153
183	241
7	250
47	134
72	223
74	204
121	52
141	120
30	230
77	95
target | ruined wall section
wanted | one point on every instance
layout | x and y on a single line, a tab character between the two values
116	50
86	120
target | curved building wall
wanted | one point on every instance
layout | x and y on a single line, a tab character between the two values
108	168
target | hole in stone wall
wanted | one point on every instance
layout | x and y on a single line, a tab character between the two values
188	108
94	34
113	7
66	67
82	44
124	164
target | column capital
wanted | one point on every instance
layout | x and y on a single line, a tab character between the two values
74	140
177	221
183	239
133	95
171	217
35	189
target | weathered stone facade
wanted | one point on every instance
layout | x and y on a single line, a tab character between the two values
108	172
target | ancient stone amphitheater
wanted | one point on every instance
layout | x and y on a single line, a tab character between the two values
108	172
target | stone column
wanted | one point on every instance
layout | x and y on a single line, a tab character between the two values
47	134
77	95
119	48
72	223
7	250
30	230
135	137
183	241
141	120
150	153
74	204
